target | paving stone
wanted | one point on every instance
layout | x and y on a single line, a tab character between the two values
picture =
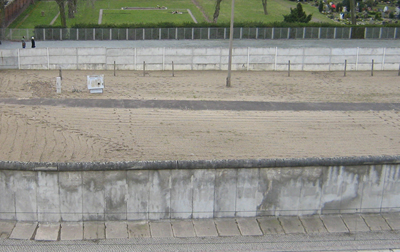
205	228
160	229
71	231
249	226
270	225
94	230
334	224
116	230
313	224
291	225
183	228
24	230
138	229
393	219
47	232
227	227
376	222
355	223
6	228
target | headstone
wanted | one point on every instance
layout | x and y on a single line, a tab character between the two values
95	83
58	85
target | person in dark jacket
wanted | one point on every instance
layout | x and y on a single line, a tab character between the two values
23	42
33	42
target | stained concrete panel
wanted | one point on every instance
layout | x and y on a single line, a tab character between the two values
225	193
25	184
376	222
391	189
47	232
71	196
351	180
115	195
313	224
355	223
246	195
373	183
94	230
160	229
311	190
203	193
71	231
249	226
331	190
6	227
138	191
227	227
205	228
93	196
138	229
48	197
182	228
270	225
116	230
7	196
24	230
181	194
291	225
334	224
160	194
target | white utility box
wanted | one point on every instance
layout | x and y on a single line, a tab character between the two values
95	83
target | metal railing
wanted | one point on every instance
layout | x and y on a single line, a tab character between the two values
203	33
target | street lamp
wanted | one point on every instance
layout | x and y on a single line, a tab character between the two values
228	79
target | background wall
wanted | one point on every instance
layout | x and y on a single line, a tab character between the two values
301	59
197	189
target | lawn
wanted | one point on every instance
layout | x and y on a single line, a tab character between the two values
88	12
145	16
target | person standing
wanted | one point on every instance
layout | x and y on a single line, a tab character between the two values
23	42
33	42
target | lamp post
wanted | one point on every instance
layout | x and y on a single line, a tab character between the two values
228	79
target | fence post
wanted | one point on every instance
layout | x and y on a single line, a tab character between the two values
114	68
159	33
44	35
173	74
289	69
345	67
77	33
398	73
192	33
144	68
144	34
60	73
372	68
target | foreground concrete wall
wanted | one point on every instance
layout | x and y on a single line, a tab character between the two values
301	59
198	189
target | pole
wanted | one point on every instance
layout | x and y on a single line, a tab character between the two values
60	73
144	68
372	68
114	68
289	68
345	66
173	69
398	74
228	79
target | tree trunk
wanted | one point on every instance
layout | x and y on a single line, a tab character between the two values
61	6
71	9
353	12
216	13
2	19
264	3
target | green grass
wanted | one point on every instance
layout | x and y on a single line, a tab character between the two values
145	16
245	10
33	15
252	10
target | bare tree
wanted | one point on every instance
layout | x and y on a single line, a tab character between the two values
61	6
216	13
264	3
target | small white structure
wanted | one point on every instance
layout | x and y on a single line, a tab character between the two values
58	85
95	83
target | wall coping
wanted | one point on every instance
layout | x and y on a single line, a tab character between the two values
200	164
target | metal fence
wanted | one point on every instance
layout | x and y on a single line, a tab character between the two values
204	33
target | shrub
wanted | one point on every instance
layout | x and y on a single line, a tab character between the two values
297	15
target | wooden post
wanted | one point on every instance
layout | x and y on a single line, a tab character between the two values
345	67
372	68
398	74
60	73
289	68
173	74
114	68
144	68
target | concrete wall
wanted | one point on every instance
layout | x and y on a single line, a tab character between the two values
301	59
198	189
